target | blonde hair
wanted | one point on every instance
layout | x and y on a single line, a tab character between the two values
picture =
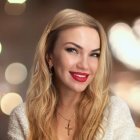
42	98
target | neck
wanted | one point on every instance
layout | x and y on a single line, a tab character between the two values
66	112
68	99
67	102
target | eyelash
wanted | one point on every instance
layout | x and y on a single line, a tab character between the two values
73	50
95	55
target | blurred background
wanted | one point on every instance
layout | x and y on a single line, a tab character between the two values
21	25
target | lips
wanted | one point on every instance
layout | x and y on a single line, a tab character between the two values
79	76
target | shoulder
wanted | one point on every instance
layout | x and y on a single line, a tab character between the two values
20	109
120	124
117	107
119	111
18	123
118	104
115	100
19	114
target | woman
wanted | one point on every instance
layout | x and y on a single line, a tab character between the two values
68	97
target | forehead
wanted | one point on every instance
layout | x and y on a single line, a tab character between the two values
82	35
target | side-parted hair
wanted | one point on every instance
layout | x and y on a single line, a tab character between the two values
42	97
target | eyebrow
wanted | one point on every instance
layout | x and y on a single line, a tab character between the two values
79	47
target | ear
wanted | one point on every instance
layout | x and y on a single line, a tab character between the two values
49	61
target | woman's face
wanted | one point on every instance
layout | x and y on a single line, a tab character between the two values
75	58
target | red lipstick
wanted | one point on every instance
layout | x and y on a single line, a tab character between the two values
79	76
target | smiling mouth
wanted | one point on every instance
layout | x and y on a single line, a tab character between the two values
79	76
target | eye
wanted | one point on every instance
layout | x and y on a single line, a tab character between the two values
95	55
71	50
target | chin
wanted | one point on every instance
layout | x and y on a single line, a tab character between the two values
79	90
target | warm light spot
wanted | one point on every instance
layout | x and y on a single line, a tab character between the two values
125	45
17	1
136	27
134	98
14	9
121	88
16	73
123	83
138	129
9	101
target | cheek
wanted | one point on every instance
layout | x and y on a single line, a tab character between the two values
94	63
94	66
63	62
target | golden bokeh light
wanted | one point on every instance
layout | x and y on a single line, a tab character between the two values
17	1
16	73
136	27
9	101
125	45
14	9
134	98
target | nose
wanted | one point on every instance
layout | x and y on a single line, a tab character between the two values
82	63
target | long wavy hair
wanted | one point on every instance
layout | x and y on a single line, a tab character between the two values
42	97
